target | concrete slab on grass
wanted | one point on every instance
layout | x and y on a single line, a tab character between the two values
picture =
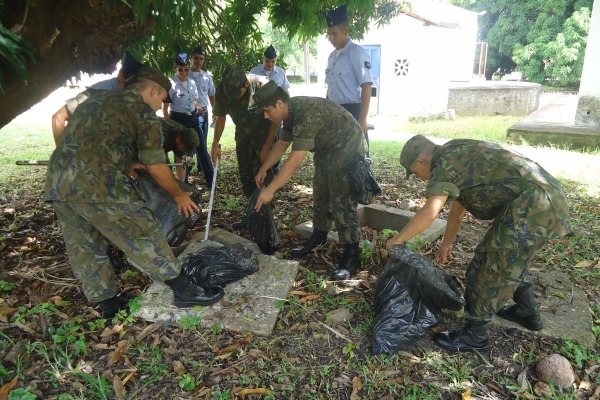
564	309
250	304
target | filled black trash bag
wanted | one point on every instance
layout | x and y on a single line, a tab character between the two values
409	297
218	266
261	226
362	181
165	209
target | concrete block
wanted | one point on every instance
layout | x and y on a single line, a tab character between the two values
379	217
250	304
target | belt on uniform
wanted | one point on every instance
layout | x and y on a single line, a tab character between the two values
189	113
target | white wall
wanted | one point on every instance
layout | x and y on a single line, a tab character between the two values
590	78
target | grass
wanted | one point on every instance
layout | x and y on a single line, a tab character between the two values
58	360
488	128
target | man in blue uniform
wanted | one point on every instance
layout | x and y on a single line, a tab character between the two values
270	69
348	73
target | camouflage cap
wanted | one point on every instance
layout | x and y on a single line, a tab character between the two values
411	151
157	77
190	141
265	94
233	80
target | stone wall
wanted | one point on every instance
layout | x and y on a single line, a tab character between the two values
494	98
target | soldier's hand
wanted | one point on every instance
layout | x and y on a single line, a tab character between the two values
185	204
264	197
444	253
215	153
363	126
134	167
260	178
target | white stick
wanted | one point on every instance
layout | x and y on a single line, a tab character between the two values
210	202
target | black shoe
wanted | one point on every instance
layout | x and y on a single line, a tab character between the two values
187	294
349	263
472	337
240	225
525	312
316	239
110	307
514	313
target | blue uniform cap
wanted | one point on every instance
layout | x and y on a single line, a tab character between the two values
270	52
337	16
198	50
130	66
182	59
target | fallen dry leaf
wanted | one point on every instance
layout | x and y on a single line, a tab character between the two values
242	393
583	264
356	387
115	356
310	297
119	387
150	329
466	395
109	331
299	293
5	390
178	367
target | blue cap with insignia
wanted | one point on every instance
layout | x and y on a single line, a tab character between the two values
337	16
182	59
130	66
198	50
270	52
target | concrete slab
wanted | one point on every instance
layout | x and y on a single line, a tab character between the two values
554	124
379	217
250	304
564	309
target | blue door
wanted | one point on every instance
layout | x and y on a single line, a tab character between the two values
374	51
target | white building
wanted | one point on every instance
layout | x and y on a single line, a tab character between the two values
415	57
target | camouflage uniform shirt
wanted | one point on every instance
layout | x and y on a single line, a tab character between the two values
104	136
249	124
485	178
318	125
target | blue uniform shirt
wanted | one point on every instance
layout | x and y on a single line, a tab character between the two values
205	84
183	95
277	75
347	69
111	84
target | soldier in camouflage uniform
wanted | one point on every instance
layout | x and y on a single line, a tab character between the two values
89	184
254	135
527	205
327	129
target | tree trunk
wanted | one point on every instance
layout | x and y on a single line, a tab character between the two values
71	36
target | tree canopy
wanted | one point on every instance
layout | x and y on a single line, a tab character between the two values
49	41
543	39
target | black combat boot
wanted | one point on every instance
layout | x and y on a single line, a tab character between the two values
526	311
239	225
110	307
188	295
316	239
472	337
349	263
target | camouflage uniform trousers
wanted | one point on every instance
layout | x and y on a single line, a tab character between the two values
87	228
332	198
247	150
501	260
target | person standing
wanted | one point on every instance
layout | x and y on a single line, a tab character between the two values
253	133
527	207
206	89
317	125
88	182
276	74
270	69
348	74
184	109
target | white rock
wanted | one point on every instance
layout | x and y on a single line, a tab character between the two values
556	369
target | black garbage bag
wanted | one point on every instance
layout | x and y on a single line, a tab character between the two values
261	226
409	297
218	266
362	181
165	209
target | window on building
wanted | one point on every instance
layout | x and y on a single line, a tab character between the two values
401	67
